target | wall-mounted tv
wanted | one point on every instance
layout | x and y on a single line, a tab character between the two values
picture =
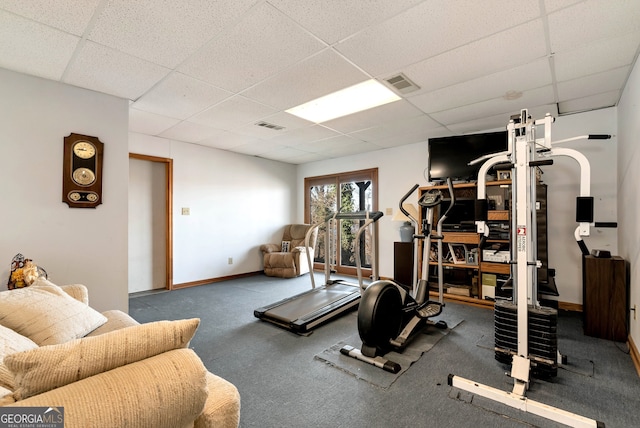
450	156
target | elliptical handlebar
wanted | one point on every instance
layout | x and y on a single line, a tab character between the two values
452	196
404	198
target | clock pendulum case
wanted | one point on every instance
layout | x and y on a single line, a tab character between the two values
82	171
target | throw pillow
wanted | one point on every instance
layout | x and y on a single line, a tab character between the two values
286	245
48	367
10	343
46	314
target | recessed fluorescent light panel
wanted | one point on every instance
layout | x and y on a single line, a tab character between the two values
353	99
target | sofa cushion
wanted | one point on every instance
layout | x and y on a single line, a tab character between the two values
46	314
10	343
116	320
164	391
48	367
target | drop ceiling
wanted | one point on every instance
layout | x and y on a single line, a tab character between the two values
214	72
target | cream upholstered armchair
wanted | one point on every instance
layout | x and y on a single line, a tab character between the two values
289	258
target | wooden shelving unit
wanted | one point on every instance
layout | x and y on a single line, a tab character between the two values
471	240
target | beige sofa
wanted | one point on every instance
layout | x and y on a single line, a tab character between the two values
105	370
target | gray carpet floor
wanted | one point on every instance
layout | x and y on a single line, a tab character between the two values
282	385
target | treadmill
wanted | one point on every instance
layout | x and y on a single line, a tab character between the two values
305	311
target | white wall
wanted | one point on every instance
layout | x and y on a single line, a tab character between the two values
400	168
236	203
628	200
87	246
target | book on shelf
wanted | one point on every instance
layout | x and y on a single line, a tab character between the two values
459	290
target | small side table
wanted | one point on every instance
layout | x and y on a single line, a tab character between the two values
605	296
403	263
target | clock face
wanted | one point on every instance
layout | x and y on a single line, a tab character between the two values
84	150
84	176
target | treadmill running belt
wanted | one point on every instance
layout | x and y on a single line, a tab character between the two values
310	302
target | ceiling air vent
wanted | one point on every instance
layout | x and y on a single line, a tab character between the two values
402	84
270	126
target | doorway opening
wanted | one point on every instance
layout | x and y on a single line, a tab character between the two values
150	223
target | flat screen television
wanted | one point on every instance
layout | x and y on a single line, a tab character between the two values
450	156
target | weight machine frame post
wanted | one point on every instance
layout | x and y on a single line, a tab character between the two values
524	152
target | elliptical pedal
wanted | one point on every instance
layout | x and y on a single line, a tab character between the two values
429	309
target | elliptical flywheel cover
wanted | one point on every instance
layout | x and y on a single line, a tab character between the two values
379	314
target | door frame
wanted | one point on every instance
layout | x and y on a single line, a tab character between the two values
168	185
341	177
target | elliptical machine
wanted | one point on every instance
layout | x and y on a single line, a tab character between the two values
390	315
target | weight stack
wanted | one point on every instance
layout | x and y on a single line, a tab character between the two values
542	335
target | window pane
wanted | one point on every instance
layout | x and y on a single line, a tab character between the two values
323	203
354	196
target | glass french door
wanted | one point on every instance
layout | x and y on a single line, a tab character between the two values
345	192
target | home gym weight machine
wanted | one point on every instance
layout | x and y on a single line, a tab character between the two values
524	154
390	315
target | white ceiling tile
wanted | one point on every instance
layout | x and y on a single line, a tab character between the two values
257	148
314	77
606	99
358	147
228	140
105	70
288	121
519	79
495	53
71	16
190	132
164	32
180	96
553	5
327	144
396	110
599	56
232	113
594	84
245	61
263	43
305	158
429	29
259	131
394	129
592	20
149	123
532	98
404	139
283	154
302	135
333	20
29	47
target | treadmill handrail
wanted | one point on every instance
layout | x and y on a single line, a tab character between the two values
307	247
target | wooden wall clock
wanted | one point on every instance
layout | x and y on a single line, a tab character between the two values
82	171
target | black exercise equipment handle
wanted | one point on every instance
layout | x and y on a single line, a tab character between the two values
452	196
404	198
599	136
